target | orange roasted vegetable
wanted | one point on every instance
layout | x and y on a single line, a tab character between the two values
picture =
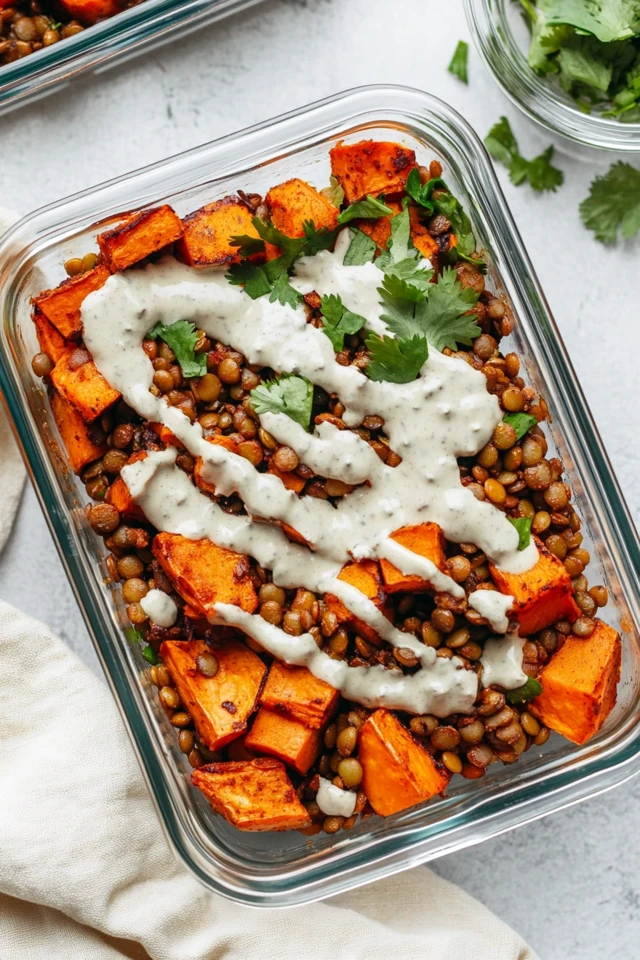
76	434
61	306
296	692
292	203
371	167
221	705
88	12
422	239
365	575
77	378
139	236
290	478
397	771
118	494
51	342
282	737
541	595
207	232
229	444
253	794
427	540
205	574
579	684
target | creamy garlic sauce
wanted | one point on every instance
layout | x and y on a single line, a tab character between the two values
493	606
502	662
333	801
160	608
444	414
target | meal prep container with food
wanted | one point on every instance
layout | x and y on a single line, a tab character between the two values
111	41
502	39
283	869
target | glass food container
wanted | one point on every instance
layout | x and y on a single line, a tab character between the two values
502	39
285	869
101	46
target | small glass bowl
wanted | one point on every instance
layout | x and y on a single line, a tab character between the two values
502	40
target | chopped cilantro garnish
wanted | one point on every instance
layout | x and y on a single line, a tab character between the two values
458	65
334	193
421	192
447	319
150	655
284	293
181	336
523	526
503	147
521	422
613	203
134	635
370	208
362	249
251	277
401	259
338	321
396	359
532	688
289	394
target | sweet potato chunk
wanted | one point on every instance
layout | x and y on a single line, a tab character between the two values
290	478
77	378
427	540
371	167
89	12
118	495
205	574
380	231
397	771
139	236
579	684
292	203
542	595
51	342
220	705
296	692
282	737
76	434
422	239
207	232
365	575
229	444
62	305
253	794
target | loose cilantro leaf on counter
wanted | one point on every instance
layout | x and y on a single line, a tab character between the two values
362	249
284	293
523	526
397	360
181	336
532	688
521	422
337	320
503	147
447	321
334	192
289	394
370	209
613	203
458	65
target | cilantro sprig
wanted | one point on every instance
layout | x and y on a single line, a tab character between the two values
288	394
613	204
458	65
523	526
371	208
532	688
362	249
396	359
503	147
521	422
181	336
338	321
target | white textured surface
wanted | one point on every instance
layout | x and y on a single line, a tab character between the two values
569	883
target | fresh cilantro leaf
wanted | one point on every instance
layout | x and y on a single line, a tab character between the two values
251	277
523	526
284	293
449	206
289	394
317	240
181	336
447	321
362	249
334	192
458	65
247	246
400	244
420	192
337	320
410	270
134	635
371	209
398	360
150	655
521	423
503	147
404	306
581	65
606	19
532	688
613	202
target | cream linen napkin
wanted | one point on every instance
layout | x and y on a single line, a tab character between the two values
85	871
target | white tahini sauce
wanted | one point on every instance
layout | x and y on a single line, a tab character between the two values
502	662
333	801
444	414
160	608
493	606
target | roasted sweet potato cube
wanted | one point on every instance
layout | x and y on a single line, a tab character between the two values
292	203
296	692
77	378
427	540
89	12
139	236
50	341
290	478
208	231
198	471
253	794
371	167
422	239
167	437
220	705
62	305
397	771
365	575
237	750
282	737
541	595
579	684
205	574
77	436
118	495
380	230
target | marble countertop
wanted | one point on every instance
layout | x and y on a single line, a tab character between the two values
568	883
